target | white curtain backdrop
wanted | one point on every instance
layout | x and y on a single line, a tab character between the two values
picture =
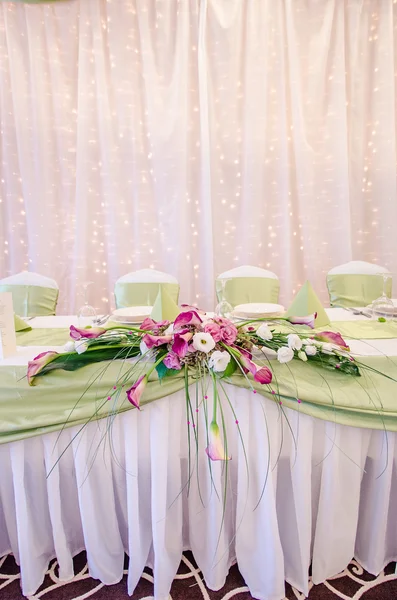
194	136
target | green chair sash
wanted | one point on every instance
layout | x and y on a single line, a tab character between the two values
355	290
244	290
142	294
32	300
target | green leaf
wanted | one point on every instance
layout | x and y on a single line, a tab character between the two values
231	367
162	371
71	361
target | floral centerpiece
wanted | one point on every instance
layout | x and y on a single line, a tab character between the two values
195	345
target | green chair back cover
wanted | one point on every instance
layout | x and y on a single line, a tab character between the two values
355	289
32	300
244	290
142	294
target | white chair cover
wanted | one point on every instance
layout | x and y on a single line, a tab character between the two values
247	271
147	276
357	267
28	278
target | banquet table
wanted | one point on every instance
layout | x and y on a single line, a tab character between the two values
304	487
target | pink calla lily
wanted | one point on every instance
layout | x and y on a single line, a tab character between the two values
215	449
135	392
189	307
309	320
261	374
76	333
152	341
180	345
149	325
163	323
248	365
243	351
38	363
332	338
189	317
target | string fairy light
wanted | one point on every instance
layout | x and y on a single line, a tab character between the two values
152	134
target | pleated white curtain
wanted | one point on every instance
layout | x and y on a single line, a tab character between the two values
194	136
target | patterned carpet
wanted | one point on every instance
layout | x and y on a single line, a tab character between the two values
353	583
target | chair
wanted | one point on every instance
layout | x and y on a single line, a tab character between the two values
247	284
356	283
32	294
140	288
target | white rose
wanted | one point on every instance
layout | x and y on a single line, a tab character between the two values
302	356
81	346
203	342
310	350
219	360
69	346
294	341
264	332
285	354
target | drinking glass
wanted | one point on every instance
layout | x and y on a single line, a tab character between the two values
383	306
87	313
223	308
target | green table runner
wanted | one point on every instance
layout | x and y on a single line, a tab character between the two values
367	330
56	336
43	337
369	401
352	329
363	330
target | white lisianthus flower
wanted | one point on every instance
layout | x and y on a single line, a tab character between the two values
294	341
264	332
69	346
310	350
203	342
219	360
285	354
302	355
307	341
143	348
81	346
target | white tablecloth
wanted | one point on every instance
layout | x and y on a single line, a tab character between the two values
330	494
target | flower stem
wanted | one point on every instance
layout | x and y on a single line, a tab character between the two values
154	366
215	392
